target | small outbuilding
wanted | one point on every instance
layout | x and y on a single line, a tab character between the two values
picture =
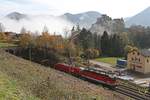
121	63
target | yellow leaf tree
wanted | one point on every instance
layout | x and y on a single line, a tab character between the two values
25	39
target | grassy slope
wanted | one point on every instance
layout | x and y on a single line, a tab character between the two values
48	84
109	60
10	91
4	45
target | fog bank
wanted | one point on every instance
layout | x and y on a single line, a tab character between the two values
37	23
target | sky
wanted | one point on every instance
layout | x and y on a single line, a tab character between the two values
113	8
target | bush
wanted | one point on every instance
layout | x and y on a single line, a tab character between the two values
91	53
43	56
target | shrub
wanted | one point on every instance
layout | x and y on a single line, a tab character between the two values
91	53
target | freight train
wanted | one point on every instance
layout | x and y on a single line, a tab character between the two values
91	73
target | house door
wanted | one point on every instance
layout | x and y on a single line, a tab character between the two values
134	67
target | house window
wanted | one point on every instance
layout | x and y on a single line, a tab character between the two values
138	53
139	59
132	59
133	53
147	60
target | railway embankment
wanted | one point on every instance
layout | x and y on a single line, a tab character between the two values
44	83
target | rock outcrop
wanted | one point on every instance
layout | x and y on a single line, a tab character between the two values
106	23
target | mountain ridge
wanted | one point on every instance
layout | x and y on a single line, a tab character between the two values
142	18
16	16
85	19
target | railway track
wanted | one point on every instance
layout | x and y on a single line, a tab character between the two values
124	87
132	92
147	94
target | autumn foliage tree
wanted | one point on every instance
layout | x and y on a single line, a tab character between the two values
48	41
25	40
2	34
43	40
3	37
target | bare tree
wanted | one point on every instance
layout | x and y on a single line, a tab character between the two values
66	33
45	29
23	30
2	28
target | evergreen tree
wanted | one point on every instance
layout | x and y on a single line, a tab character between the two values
116	45
85	39
99	42
105	43
95	39
73	29
78	28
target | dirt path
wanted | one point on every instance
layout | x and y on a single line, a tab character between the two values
103	65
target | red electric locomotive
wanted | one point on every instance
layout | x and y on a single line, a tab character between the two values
90	73
99	76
